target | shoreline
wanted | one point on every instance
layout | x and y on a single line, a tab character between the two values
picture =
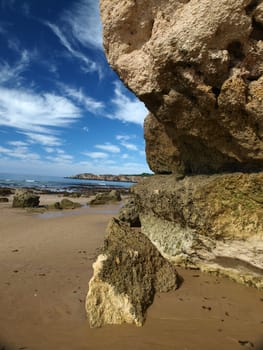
46	264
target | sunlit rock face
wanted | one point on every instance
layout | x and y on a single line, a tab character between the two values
127	274
197	65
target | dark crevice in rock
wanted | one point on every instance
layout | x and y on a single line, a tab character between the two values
199	159
251	7
257	32
216	91
236	53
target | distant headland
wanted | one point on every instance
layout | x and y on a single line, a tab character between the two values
118	178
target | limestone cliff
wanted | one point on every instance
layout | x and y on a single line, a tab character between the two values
197	65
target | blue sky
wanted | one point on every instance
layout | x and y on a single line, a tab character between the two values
62	109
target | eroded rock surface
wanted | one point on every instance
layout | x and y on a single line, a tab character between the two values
214	223
197	65
25	199
130	213
106	197
127	274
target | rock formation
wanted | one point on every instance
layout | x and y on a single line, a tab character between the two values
64	204
198	67
25	199
106	197
214	222
127	274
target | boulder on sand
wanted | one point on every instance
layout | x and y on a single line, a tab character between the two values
25	199
64	204
106	197
67	204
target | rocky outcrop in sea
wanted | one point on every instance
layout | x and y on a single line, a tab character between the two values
198	67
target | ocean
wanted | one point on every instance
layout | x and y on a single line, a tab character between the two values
55	183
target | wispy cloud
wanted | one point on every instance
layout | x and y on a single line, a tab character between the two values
129	146
60	158
96	155
32	112
13	73
108	147
123	137
43	139
89	103
127	109
17	143
19	152
90	65
83	19
49	149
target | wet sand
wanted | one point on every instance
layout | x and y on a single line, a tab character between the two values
46	263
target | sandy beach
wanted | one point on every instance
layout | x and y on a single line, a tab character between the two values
46	264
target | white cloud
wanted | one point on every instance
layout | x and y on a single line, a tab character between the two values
89	103
20	152
60	158
49	149
85	128
109	148
96	155
125	156
84	21
90	65
129	146
123	137
65	168
31	112
43	139
127	109
12	74
17	143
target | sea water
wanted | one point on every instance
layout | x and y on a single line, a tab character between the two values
54	183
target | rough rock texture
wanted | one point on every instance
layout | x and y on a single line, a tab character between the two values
4	200
214	223
25	199
198	68
126	276
106	197
68	204
5	191
64	204
130	213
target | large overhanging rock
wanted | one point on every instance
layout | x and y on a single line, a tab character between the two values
214	222
127	274
197	65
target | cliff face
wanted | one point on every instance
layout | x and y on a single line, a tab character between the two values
198	68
